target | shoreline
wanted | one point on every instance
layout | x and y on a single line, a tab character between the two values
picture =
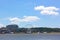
34	33
39	33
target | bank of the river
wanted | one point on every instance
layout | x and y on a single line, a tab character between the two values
39	33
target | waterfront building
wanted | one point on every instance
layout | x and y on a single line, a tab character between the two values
12	27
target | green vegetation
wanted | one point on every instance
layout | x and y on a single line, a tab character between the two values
15	29
48	30
39	29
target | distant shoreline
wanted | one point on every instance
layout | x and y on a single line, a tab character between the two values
33	33
40	33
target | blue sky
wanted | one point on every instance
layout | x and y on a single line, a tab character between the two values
33	13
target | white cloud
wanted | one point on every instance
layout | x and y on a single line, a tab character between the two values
16	20
47	10
30	18
1	25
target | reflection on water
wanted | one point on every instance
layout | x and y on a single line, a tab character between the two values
29	36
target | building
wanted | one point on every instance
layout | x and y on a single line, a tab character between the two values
4	30
12	27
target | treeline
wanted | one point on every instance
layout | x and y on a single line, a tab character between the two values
39	29
48	30
15	29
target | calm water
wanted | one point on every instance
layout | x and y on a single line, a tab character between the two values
29	36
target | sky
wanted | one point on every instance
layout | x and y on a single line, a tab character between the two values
30	13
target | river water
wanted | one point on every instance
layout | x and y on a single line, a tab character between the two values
29	36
